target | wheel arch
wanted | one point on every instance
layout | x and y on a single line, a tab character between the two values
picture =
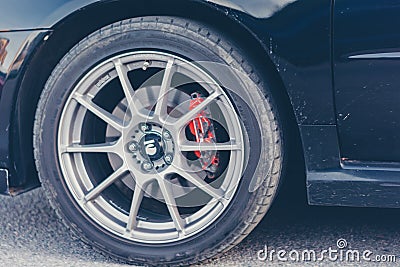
76	26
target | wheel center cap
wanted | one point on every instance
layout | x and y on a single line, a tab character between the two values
152	146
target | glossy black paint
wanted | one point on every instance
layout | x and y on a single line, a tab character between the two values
21	45
365	191
333	182
4	188
41	14
367	86
298	40
305	49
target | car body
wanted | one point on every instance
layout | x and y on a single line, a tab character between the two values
325	60
333	63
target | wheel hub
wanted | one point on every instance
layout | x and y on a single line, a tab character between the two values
150	147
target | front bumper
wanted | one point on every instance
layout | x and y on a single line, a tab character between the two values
4	185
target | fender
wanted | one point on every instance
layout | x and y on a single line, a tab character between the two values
44	14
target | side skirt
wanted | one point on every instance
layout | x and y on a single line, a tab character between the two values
332	181
355	188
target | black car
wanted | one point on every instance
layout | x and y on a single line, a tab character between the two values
161	130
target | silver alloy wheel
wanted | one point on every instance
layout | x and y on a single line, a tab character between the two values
150	112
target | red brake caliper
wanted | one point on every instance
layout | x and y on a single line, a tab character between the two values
202	128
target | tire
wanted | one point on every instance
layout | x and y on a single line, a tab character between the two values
69	119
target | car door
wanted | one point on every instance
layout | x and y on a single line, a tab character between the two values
366	64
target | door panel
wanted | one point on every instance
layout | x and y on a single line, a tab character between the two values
367	78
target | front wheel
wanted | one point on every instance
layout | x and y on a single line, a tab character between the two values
155	144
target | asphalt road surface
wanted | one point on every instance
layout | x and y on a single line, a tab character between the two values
31	235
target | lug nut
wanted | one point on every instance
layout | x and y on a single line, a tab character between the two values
167	135
133	147
144	127
168	159
147	166
146	64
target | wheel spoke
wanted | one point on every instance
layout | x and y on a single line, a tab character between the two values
106	116
129	92
199	182
110	147
195	146
135	206
166	190
185	171
95	192
161	105
191	114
